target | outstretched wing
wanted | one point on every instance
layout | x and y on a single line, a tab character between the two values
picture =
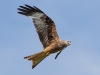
44	25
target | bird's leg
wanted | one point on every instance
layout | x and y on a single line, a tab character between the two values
58	54
48	53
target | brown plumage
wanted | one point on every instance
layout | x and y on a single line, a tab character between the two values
45	27
47	33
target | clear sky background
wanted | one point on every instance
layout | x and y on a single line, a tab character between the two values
76	20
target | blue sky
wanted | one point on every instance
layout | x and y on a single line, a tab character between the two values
76	20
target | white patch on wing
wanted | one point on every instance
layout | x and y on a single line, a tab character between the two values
36	15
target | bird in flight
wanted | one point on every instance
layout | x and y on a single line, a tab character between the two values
46	29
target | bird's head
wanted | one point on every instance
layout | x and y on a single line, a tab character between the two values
67	42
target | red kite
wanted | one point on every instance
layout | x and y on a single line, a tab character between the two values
47	33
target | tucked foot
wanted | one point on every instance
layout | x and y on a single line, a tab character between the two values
47	54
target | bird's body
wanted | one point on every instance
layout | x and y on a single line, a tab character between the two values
46	30
55	47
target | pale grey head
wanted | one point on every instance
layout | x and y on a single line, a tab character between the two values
67	42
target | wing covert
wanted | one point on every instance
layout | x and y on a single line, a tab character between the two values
44	25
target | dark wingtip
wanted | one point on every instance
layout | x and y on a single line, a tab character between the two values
25	57
28	10
22	13
28	6
33	67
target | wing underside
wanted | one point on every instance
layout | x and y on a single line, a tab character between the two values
44	25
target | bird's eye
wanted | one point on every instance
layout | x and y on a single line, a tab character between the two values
69	42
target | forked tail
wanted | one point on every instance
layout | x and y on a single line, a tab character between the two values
36	58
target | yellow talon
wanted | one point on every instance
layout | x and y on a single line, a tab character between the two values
47	54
